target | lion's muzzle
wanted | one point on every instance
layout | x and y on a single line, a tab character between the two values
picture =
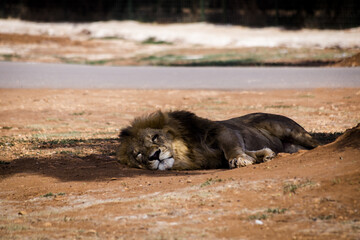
155	155
161	160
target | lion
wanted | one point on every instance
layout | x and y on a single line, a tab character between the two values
180	140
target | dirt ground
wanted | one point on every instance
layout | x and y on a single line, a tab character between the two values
59	178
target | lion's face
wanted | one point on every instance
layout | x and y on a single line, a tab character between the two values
150	149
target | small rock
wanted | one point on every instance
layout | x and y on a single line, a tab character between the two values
91	231
22	213
259	222
189	181
47	224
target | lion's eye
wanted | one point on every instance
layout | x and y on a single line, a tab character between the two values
155	138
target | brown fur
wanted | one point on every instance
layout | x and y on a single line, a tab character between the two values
181	140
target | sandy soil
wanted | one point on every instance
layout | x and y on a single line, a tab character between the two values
133	43
59	178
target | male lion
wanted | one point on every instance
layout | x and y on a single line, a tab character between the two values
181	140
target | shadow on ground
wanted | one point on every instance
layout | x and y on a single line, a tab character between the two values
101	165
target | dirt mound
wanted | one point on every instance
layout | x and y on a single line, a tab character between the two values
351	138
353	61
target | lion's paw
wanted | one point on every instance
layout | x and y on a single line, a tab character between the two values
240	162
269	155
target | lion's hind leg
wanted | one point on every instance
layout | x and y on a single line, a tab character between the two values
262	155
292	148
285	129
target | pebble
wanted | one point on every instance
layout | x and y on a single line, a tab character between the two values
91	231
22	213
47	224
258	222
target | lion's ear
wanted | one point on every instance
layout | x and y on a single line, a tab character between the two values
125	132
170	132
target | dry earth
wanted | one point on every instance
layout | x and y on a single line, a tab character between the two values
59	178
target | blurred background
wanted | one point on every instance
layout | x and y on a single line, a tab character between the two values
256	13
182	32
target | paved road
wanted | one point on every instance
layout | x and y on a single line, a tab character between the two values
42	75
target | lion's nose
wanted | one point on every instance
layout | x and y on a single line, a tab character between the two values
155	156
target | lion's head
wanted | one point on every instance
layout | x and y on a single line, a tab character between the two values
148	148
150	143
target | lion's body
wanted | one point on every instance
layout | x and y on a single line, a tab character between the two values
181	140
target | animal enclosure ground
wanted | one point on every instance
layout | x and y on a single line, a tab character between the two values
59	177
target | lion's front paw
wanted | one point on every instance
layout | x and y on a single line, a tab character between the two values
241	162
269	155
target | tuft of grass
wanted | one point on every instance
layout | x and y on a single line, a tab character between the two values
53	119
15	227
152	40
267	214
50	194
210	181
326	217
78	113
292	187
276	210
161	60
336	181
7	141
9	57
110	38
203	60
258	216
